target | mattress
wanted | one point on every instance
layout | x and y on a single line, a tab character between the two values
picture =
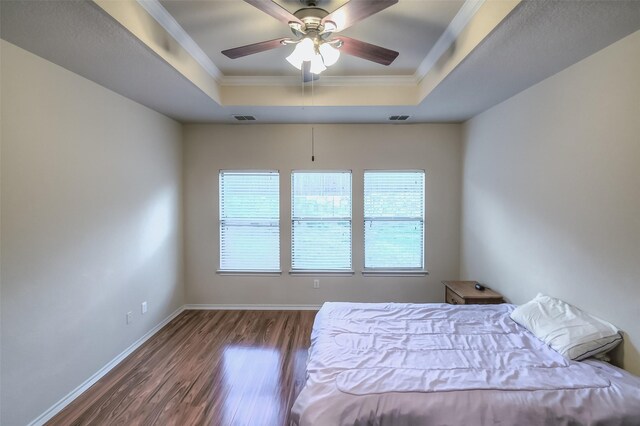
439	364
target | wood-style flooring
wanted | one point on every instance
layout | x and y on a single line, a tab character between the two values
204	368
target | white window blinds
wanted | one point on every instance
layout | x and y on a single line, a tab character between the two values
321	221
249	221
394	220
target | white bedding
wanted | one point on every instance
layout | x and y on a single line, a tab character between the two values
438	364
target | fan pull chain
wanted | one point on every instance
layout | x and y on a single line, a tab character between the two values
313	157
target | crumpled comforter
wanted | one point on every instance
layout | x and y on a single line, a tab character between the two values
439	364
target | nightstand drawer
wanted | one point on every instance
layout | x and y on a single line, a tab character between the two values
453	299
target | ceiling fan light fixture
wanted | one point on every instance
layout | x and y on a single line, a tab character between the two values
295	60
330	54
317	65
304	51
329	27
313	27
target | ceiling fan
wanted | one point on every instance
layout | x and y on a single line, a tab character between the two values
317	47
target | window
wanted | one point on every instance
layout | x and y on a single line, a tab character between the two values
249	221
394	220
321	221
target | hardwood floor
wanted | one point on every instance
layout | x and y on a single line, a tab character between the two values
204	367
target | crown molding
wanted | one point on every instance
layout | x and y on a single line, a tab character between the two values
168	22
381	80
325	80
448	37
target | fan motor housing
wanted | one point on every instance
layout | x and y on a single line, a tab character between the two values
311	17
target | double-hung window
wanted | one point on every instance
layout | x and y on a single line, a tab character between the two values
321	221
249	221
394	220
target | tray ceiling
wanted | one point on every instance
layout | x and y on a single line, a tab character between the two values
410	27
490	51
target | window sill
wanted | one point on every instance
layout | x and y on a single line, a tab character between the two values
336	273
250	273
394	273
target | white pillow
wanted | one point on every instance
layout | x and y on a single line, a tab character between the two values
573	333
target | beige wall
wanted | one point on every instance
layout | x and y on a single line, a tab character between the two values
551	191
209	148
91	227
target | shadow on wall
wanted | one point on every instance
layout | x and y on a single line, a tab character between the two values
521	245
627	348
156	223
146	245
158	242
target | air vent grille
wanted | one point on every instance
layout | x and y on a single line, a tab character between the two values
244	117
399	118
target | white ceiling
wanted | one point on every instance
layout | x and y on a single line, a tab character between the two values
536	40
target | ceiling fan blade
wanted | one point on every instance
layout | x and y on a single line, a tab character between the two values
250	49
274	9
367	51
307	75
356	10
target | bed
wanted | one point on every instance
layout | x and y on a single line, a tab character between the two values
439	364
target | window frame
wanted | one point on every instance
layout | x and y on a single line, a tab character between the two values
252	272
332	272
396	271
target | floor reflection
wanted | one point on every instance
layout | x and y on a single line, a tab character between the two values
252	382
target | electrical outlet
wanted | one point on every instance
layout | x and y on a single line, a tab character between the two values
143	307
129	317
316	283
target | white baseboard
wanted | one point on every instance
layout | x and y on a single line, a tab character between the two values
252	307
58	406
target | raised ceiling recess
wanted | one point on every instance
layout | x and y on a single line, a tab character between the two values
455	58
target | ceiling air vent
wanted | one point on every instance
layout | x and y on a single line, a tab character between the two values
399	118
244	117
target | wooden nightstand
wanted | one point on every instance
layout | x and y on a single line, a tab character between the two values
465	293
